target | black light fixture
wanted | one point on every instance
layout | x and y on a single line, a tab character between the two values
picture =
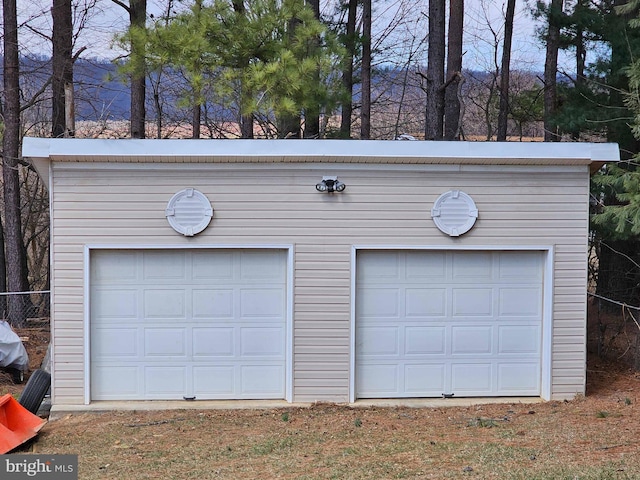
330	184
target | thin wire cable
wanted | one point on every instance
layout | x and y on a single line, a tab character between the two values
622	304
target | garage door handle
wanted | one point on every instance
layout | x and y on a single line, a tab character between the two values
189	399
448	395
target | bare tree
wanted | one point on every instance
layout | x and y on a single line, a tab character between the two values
550	71
312	114
503	111
434	118
196	120
289	124
62	64
365	109
347	72
454	70
246	119
579	42
137	10
3	272
14	247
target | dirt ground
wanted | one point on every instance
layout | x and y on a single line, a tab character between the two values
591	437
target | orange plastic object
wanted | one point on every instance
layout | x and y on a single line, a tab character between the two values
17	424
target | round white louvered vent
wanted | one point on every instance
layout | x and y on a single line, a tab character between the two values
189	212
454	213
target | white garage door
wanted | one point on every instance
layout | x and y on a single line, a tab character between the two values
430	323
168	324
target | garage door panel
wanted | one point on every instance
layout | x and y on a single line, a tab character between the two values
183	330
164	303
378	379
479	321
262	302
208	266
471	340
429	269
382	269
471	378
520	265
425	341
519	302
379	341
165	382
258	379
519	378
115	304
212	303
424	380
425	302
122	267
472	265
213	342
472	302
165	342
262	342
379	302
116	342
111	382
213	381
519	339
259	267
164	267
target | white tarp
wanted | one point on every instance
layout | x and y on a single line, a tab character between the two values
12	351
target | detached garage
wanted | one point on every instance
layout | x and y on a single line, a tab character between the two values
316	270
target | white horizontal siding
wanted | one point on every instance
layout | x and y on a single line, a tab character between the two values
259	206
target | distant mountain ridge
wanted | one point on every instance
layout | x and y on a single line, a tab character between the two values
99	92
102	95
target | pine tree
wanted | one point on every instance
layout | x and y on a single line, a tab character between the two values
597	104
274	52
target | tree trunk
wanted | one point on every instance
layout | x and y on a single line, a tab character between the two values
69	109
312	114
62	64
289	125
454	70
347	73
14	248
197	120
365	109
246	125
434	117
488	108
196	113
581	51
246	119
581	57
158	109
503	111
137	18
3	275
550	72
407	69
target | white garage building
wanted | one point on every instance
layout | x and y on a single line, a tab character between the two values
316	270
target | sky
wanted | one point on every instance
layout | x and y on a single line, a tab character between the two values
400	24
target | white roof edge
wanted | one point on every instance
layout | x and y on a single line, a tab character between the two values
35	147
71	147
605	152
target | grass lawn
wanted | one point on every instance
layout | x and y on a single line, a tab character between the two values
592	437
